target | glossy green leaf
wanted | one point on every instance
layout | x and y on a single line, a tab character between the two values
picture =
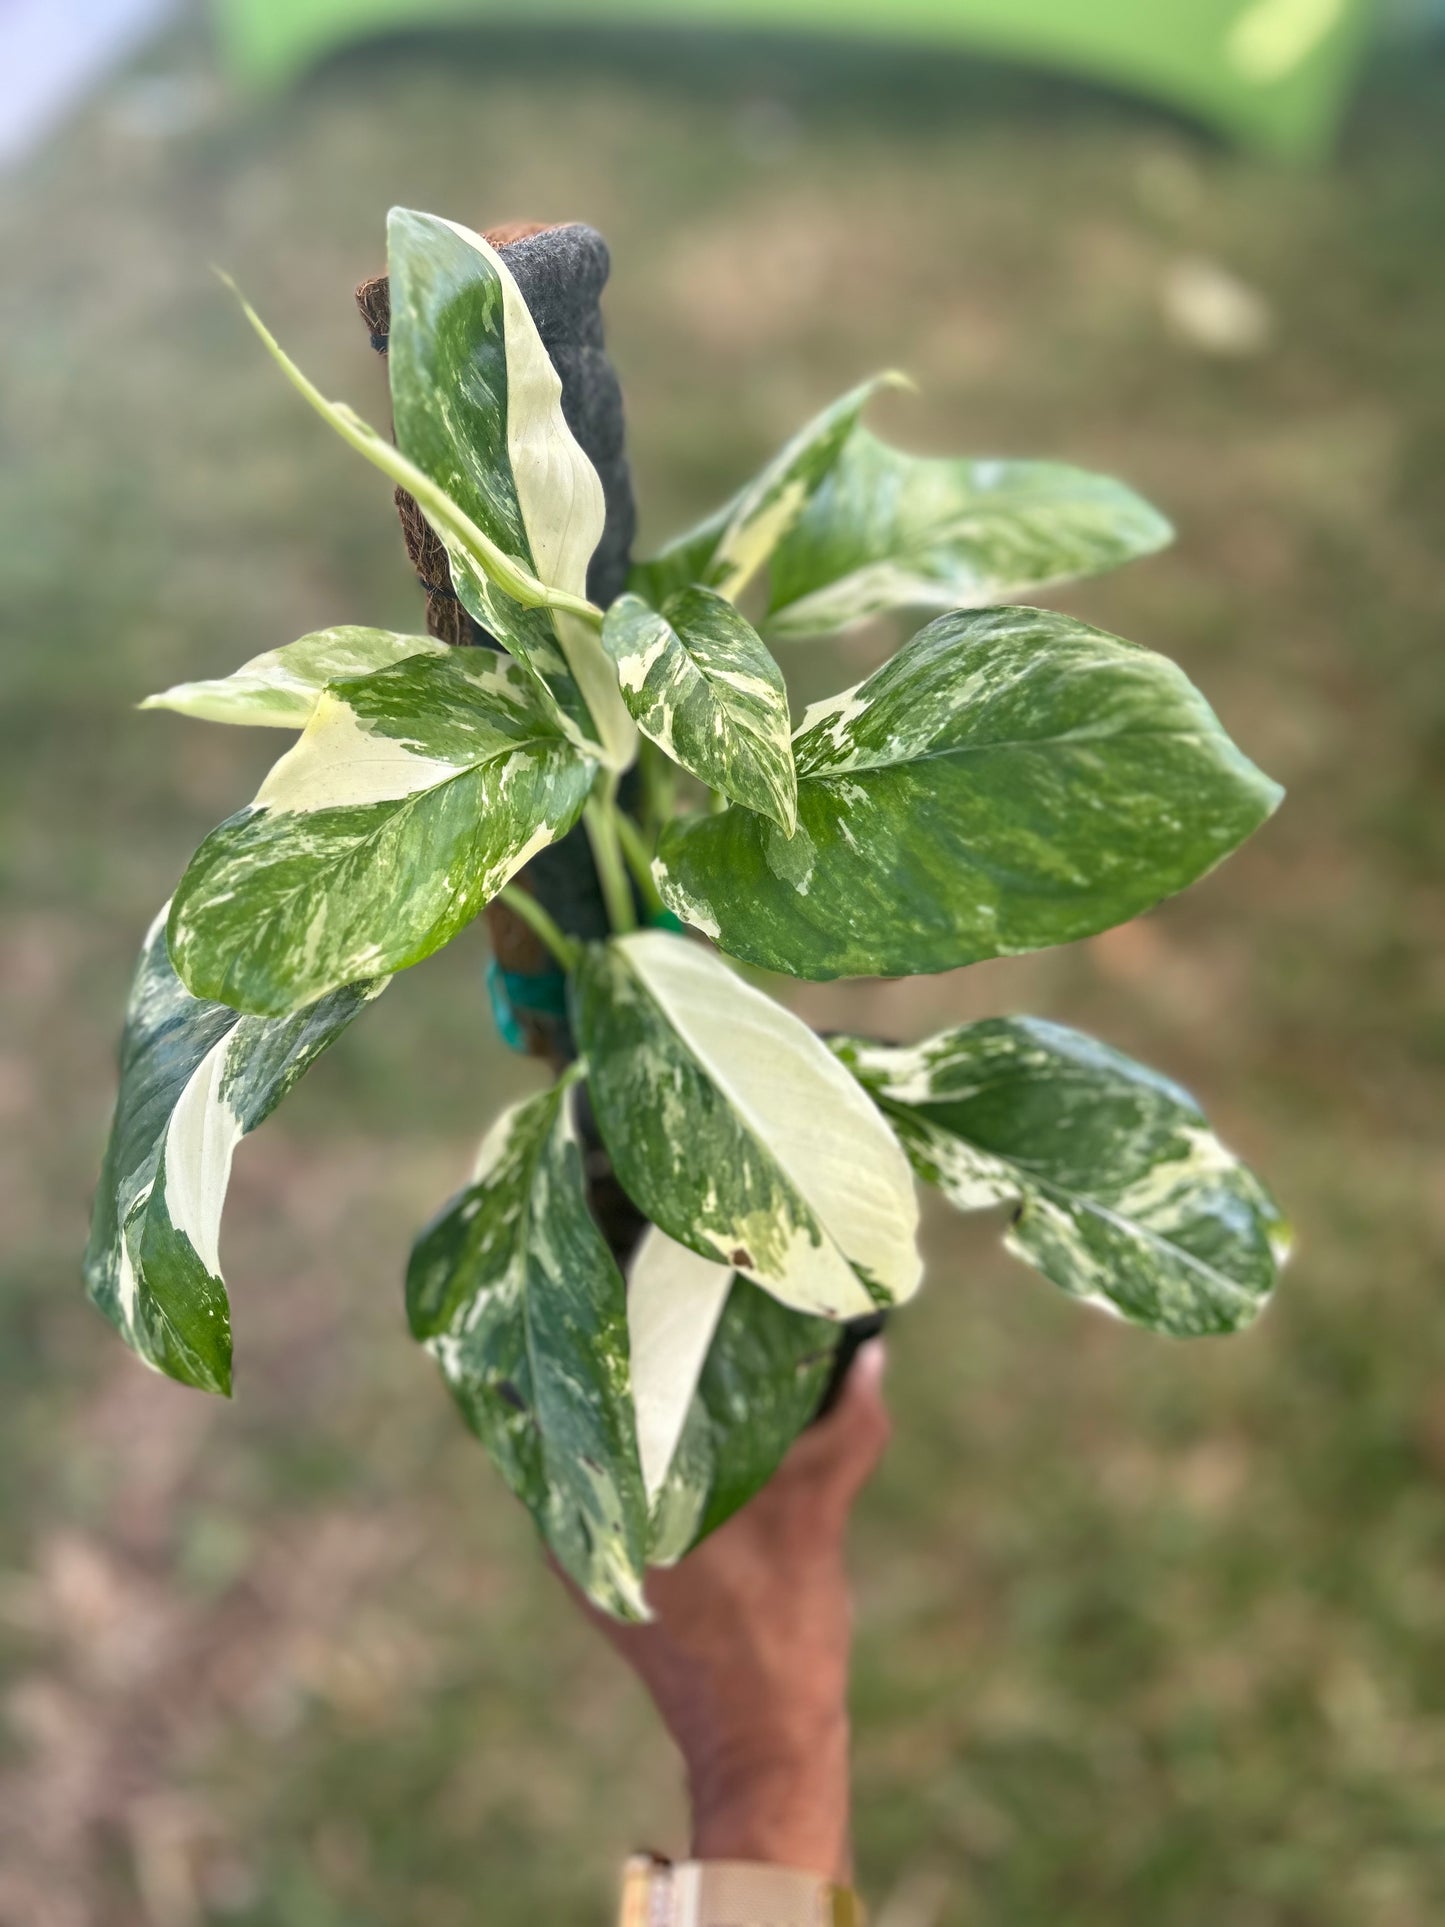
1123	1195
280	689
1010	779
478	408
701	684
766	1372
887	530
726	551
736	1131
195	1077
762	1378
409	800
514	1292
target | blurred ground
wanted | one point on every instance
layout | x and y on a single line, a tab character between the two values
1148	1633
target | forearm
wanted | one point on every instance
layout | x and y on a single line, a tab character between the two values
786	1807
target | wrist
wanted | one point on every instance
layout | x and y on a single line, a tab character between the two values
784	1803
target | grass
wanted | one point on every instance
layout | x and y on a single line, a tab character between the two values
1148	1632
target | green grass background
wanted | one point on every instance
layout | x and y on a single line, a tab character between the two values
1148	1633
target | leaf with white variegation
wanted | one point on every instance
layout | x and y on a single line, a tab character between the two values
514	1292
674	1301
478	407
280	689
462	536
1010	779
195	1077
888	530
1124	1196
701	684
726	551
734	1129
724	1377
412	796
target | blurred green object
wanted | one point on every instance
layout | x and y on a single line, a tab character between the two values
1270	73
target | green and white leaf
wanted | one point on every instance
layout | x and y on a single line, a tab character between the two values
761	1384
280	689
1010	779
195	1077
411	797
701	684
1123	1195
738	1133
674	1301
478	408
514	1292
447	517
887	530
726	551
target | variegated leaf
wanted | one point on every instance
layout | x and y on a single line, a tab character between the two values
734	1129
195	1077
701	684
462	536
674	1300
762	1381
888	530
410	799
726	551
684	561
478	408
1123	1195
1010	779
280	689
514	1292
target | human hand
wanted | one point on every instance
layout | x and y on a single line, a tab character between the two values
747	1657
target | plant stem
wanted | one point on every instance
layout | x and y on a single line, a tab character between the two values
526	906
600	816
639	861
659	785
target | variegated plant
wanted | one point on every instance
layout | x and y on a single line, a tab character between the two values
1010	779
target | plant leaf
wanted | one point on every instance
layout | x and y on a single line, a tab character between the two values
734	1381
280	689
514	1292
766	1372
887	530
734	1129
1124	1195
409	800
456	528
195	1077
701	684
1011	779
684	561
478	407
674	1300
726	551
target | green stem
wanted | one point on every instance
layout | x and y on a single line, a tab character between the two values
659	785
600	816
639	861
526	906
